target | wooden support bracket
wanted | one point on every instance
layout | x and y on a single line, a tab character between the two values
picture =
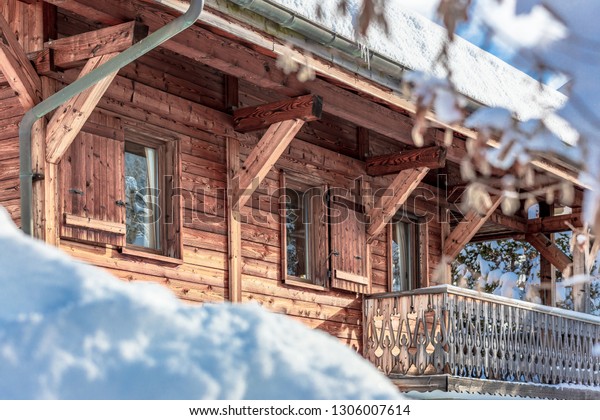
305	108
261	160
428	157
74	51
70	117
17	69
467	228
549	250
396	195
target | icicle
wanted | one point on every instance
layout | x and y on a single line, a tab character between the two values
365	54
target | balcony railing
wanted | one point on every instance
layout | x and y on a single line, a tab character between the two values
449	330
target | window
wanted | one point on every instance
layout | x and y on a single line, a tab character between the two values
152	203
119	187
304	235
404	255
142	193
323	237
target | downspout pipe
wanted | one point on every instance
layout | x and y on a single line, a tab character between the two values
51	103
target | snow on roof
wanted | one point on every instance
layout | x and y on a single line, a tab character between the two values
415	43
71	331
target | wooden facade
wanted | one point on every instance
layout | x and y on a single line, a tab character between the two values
233	131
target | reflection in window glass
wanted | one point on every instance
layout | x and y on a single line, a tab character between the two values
296	234
403	257
141	196
302	231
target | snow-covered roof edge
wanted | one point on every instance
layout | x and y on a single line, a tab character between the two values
414	43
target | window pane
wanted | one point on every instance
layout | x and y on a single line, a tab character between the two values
296	234
402	256
141	196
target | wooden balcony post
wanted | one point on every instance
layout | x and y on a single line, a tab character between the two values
581	290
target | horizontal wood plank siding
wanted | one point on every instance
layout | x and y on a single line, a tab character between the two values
181	100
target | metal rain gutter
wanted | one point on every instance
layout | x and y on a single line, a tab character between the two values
40	110
322	36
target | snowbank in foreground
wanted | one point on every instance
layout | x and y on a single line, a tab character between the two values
70	331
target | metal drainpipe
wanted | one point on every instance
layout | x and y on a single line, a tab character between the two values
131	54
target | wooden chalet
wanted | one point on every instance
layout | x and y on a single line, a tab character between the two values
208	166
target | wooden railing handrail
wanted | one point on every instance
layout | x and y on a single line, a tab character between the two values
487	297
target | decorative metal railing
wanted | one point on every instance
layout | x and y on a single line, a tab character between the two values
446	329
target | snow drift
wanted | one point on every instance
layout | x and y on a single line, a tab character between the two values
71	331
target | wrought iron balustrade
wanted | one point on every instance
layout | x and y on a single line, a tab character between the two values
450	330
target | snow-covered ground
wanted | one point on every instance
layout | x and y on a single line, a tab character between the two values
72	331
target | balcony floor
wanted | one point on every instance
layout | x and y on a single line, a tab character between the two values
449	383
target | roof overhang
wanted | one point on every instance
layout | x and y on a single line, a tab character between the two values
378	79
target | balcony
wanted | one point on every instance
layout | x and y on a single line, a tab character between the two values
453	339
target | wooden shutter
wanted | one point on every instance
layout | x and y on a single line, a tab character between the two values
348	246
318	236
173	212
92	183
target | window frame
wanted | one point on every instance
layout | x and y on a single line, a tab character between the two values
417	252
168	164
160	199
323	263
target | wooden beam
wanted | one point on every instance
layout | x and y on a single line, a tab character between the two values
362	140
262	158
581	289
428	157
70	117
231	95
467	229
17	69
49	29
234	248
487	237
423	252
516	223
75	50
547	270
393	198
554	224
305	108
91	10
42	61
549	250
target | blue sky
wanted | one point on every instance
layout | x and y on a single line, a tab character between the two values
478	33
